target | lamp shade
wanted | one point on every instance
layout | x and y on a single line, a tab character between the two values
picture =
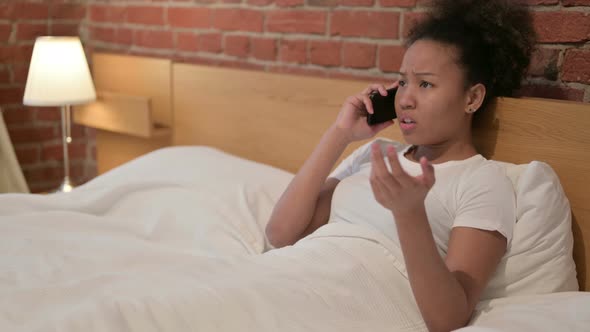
58	73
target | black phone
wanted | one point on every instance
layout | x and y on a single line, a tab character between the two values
383	107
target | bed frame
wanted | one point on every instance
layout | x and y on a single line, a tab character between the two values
277	119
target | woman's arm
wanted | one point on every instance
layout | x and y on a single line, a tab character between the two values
305	204
309	191
446	291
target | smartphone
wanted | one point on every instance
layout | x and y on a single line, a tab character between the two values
383	107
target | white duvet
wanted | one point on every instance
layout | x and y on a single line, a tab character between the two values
173	241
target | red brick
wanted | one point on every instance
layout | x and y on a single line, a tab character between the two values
562	27
20	71
124	36
65	29
576	66
187	41
15	53
4	75
237	46
68	11
544	63
260	2
102	34
238	19
358	55
390	57
11	95
325	53
323	3
5	31
551	92
210	42
149	15
365	24
42	188
43	173
357	2
568	3
30	31
293	51
32	134
106	13
52	114
27	155
296	21
264	48
537	2
78	132
189	17
30	11
410	19
76	150
154	39
6	10
18	115
289	3
398	3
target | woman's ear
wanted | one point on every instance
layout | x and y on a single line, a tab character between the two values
475	97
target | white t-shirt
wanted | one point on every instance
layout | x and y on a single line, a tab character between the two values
474	192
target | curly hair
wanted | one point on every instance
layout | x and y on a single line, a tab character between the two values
494	38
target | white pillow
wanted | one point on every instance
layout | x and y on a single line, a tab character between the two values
539	258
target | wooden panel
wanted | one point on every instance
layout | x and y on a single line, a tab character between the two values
278	120
521	130
117	112
582	246
140	76
275	119
114	149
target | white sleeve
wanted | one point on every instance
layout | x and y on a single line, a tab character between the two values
487	201
361	155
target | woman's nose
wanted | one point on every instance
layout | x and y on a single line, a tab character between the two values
406	98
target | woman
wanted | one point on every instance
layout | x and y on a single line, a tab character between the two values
450	210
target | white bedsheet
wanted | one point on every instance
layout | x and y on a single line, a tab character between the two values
563	312
173	242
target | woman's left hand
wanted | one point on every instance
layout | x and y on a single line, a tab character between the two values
397	191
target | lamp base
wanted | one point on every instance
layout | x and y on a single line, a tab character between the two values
66	186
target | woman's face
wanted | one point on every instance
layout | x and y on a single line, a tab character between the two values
431	101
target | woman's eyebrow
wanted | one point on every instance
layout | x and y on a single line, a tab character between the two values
402	73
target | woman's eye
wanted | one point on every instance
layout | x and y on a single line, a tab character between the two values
401	83
425	85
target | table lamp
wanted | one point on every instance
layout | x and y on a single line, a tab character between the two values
59	76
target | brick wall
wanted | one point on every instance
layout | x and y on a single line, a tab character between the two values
36	132
332	38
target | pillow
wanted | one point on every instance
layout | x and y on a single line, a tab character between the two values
539	258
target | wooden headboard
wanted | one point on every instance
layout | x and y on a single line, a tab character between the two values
277	119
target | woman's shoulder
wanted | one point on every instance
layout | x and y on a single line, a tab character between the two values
488	173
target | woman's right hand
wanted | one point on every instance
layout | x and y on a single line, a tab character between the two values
353	114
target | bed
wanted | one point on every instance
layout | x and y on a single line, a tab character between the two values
170	235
